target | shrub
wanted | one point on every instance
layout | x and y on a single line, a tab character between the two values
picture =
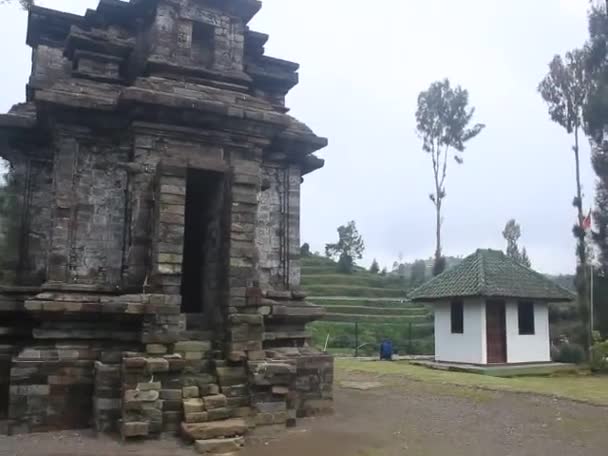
599	357
570	353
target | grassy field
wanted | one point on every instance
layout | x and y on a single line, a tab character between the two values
582	387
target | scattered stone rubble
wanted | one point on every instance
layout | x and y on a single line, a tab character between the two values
151	268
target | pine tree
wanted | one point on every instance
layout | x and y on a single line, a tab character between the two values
374	268
525	260
512	233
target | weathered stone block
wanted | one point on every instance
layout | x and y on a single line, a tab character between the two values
156	349
135	362
141	396
235	390
209	389
190	392
149	386
219	446
193	405
213	430
192	346
229	376
171	394
156	365
219	414
196	417
216	401
135	429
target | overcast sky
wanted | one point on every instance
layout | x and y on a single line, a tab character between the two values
363	65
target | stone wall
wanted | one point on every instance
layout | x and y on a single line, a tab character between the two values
191	34
88	235
48	65
37	224
97	238
278	227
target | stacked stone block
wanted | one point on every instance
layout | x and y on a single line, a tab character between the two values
5	368
142	413
167	252
107	403
44	388
272	382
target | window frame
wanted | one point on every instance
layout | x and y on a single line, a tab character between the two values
526	319
457	316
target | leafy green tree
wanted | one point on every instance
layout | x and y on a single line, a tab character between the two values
350	247
418	273
305	250
565	90
596	121
374	268
512	233
384	272
443	117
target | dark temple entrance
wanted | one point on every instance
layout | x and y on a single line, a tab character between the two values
202	266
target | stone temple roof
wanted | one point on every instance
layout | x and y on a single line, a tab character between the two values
491	274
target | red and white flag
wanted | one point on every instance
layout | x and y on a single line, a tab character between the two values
586	225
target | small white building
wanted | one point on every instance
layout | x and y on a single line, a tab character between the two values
490	309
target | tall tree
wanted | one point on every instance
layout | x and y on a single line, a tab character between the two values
374	268
305	250
350	247
596	121
512	233
565	90
525	259
418	273
443	118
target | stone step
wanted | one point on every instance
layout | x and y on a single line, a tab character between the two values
219	446
234	427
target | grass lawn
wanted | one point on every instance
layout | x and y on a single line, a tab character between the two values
582	387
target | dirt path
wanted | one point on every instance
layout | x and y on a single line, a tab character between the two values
412	418
404	418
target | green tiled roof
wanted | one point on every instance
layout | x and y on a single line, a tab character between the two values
490	273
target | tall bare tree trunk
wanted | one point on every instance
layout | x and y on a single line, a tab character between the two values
582	284
579	194
438	232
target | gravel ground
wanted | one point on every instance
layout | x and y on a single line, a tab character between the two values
407	418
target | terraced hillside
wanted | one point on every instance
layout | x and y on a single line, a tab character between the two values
376	304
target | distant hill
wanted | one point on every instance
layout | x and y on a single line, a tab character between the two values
563	280
406	268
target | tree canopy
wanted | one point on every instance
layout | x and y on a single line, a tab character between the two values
512	233
350	247
375	267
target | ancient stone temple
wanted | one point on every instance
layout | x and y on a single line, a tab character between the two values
151	229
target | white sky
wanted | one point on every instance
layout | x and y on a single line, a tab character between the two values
363	65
